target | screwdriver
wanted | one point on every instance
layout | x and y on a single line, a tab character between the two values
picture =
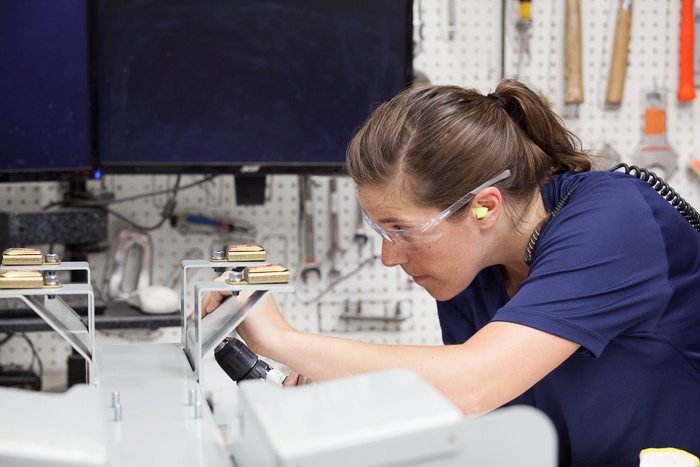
523	27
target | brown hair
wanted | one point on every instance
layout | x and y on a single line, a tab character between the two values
439	141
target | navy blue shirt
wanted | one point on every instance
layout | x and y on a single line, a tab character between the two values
617	271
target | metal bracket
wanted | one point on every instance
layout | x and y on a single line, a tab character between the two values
60	316
201	335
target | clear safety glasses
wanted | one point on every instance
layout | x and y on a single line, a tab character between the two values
413	238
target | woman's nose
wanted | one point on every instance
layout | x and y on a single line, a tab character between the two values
392	254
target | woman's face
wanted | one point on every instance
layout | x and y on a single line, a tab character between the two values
444	268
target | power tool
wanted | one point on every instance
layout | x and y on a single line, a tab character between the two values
240	363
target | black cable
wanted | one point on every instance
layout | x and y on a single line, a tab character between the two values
166	214
35	354
100	203
665	190
6	338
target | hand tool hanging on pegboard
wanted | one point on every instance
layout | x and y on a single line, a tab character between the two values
360	237
689	63
142	245
696	46
449	20
654	152
695	155
335	252
695	161
618	62
306	218
573	94
522	26
686	87
419	77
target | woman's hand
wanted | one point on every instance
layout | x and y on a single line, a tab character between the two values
212	300
262	330
296	379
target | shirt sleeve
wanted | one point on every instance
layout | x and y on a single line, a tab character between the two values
599	269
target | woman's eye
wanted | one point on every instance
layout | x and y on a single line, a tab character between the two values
402	230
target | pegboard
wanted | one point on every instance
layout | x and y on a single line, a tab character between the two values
471	43
485	46
277	227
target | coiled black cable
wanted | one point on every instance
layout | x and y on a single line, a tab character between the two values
664	190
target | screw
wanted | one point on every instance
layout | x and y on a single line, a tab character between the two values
51	258
217	255
51	280
235	276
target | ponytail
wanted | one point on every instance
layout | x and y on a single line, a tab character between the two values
543	127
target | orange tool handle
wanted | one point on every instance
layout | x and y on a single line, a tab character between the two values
654	121
686	88
574	79
618	64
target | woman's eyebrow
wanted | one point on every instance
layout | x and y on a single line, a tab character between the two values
397	220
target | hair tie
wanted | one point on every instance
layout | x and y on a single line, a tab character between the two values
500	100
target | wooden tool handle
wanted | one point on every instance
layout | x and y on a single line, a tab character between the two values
618	63
686	88
574	77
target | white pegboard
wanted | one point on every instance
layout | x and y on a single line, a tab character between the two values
652	62
485	45
470	43
471	56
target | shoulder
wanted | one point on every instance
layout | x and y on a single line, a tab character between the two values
595	185
607	206
595	239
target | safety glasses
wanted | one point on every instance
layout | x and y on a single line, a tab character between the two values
413	238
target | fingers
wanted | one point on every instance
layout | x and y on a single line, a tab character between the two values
295	379
303	380
292	379
212	300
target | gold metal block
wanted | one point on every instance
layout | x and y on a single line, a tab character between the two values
21	257
266	274
246	252
13	279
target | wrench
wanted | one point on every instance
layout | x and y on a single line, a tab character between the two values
360	237
335	249
307	220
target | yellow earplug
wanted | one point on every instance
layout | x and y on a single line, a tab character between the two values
481	212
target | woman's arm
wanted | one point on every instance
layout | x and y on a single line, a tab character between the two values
494	366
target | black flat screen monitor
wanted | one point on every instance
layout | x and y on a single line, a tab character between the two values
243	86
45	107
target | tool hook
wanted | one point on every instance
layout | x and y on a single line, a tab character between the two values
307	219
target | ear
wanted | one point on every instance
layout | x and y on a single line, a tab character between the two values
486	207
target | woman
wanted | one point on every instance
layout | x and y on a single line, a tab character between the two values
572	290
